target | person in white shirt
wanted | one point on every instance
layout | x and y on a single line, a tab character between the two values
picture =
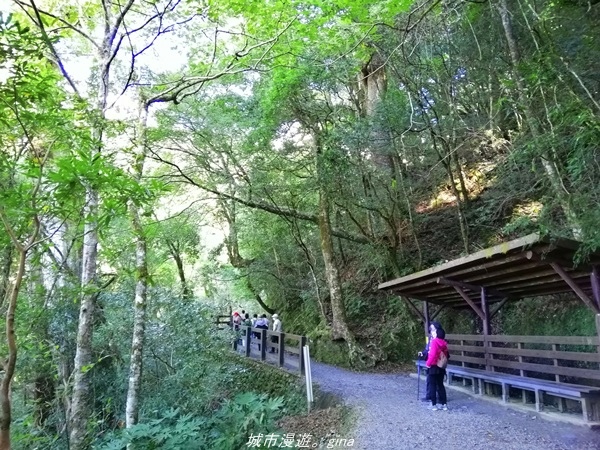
276	327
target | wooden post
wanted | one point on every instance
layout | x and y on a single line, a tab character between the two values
555	348
426	318
520	346
598	328
595	279
562	402
248	338
302	344
263	344
280	349
486	329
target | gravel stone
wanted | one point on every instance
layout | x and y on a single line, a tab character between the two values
391	417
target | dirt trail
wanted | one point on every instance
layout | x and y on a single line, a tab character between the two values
391	417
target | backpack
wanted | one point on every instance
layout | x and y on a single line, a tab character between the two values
442	361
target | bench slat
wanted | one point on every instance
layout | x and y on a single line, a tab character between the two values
549	354
545	368
566	340
571	390
464	337
465	348
467	359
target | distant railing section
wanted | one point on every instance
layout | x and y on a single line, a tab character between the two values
282	349
223	321
285	349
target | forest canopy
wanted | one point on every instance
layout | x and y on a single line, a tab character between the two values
165	161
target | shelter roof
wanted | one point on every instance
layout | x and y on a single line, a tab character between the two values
530	266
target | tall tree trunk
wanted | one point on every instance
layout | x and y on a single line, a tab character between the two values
5	266
462	220
258	298
141	286
547	159
339	326
401	183
373	85
11	342
80	400
185	290
11	361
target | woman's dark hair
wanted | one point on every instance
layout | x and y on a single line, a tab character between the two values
439	330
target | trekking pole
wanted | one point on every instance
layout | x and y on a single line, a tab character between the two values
418	378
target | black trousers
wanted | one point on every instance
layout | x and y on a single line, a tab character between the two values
436	389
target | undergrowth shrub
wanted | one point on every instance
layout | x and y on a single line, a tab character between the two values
227	428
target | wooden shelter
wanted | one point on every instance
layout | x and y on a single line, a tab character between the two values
563	367
530	266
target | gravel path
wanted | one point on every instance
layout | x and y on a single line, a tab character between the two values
390	417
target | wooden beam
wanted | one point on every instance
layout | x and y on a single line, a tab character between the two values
471	287
575	287
439	310
498	306
414	309
509	264
482	255
471	303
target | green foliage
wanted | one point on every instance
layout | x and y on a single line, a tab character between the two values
402	333
328	351
541	317
252	376
449	109
227	428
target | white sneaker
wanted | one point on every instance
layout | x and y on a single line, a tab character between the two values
445	407
435	408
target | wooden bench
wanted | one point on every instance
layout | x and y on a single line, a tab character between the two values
536	364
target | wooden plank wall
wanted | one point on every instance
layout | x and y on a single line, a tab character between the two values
568	359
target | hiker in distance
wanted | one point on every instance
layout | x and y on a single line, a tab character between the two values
437	360
276	327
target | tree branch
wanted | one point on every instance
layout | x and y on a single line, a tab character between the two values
48	42
273	209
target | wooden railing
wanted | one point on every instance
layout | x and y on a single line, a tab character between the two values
223	321
564	359
284	349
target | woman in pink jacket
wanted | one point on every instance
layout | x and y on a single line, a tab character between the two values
435	382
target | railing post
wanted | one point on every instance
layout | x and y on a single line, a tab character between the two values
302	344
263	344
235	340
248	338
280	349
